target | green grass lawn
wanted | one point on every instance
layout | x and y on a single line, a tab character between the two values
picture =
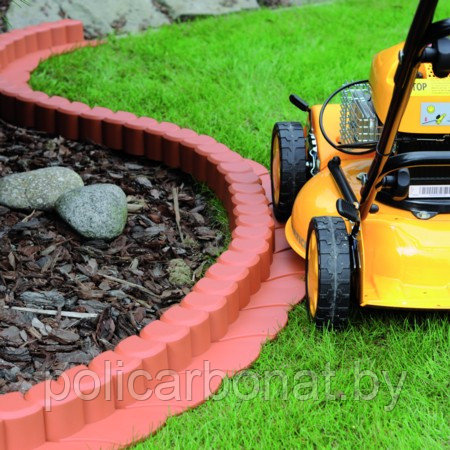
230	77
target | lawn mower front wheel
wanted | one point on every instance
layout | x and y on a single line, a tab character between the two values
288	166
328	272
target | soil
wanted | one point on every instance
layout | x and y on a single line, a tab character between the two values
113	289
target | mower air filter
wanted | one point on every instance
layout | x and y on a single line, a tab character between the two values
358	121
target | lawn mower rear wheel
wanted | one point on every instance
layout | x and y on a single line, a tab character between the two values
288	166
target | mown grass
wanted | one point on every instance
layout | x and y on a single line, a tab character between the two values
230	77
412	348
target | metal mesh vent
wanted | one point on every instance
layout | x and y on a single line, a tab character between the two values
358	121
429	69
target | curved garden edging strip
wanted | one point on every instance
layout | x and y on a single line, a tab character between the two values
216	330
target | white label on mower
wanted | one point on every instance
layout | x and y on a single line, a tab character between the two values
435	114
429	191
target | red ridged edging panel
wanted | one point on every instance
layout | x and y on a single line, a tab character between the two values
215	331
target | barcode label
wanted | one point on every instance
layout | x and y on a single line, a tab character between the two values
430	191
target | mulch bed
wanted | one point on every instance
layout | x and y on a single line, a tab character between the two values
113	288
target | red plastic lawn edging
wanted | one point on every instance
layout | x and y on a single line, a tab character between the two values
218	329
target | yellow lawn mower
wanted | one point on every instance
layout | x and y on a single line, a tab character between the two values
365	185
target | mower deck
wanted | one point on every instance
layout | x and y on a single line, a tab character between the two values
404	261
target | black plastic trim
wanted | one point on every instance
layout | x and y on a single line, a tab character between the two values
416	159
431	205
334	165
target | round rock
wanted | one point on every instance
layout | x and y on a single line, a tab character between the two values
180	274
98	211
37	189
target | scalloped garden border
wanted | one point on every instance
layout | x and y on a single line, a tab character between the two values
241	302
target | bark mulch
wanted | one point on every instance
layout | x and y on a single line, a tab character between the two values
83	297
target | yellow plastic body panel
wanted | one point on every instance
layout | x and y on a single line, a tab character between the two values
318	198
429	91
405	261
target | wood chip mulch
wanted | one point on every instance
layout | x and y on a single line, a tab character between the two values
64	299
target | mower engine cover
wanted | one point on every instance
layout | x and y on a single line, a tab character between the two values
428	109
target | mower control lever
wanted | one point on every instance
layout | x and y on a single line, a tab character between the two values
439	55
334	165
398	183
347	210
299	103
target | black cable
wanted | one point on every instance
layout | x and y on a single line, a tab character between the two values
371	145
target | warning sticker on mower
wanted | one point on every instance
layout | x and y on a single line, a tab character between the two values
435	113
430	191
431	86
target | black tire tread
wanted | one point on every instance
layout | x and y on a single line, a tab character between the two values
335	273
293	170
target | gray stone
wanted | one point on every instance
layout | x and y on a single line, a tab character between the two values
37	189
98	211
99	18
180	274
186	8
